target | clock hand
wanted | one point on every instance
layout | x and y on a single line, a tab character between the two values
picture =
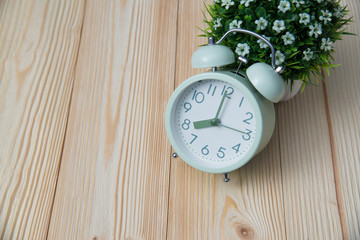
211	122
221	104
206	123
231	128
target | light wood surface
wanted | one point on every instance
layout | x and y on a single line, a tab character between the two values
84	153
114	175
343	106
39	45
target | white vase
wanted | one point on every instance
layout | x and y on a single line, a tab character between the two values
290	93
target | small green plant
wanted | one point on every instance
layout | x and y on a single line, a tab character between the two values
302	32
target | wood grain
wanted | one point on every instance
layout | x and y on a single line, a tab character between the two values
114	175
310	203
38	52
84	153
203	206
343	98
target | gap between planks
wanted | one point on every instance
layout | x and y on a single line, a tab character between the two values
171	149
334	161
67	119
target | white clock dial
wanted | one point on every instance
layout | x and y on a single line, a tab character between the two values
224	142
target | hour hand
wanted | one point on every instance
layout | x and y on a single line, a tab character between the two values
206	123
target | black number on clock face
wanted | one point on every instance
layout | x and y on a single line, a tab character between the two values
186	124
205	150
195	137
187	106
229	90
211	89
241	101
221	153
236	147
250	116
199	97
247	136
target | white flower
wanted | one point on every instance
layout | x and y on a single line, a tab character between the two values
261	23
216	1
315	30
288	38
338	12
297	3
304	18
217	23
227	3
278	26
242	49
308	54
246	2
235	24
262	43
284	6
326	44
319	1
325	16
279	57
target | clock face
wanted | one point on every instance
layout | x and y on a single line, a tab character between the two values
215	123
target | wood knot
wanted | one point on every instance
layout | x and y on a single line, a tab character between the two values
244	232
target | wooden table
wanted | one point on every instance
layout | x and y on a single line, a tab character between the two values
83	148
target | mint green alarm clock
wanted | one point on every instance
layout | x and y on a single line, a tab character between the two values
217	121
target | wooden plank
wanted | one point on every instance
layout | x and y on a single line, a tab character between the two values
39	43
114	176
310	203
203	206
343	98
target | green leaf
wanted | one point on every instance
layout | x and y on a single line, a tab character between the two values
296	67
293	63
260	12
249	12
349	33
247	18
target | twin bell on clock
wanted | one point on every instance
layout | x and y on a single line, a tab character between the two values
218	120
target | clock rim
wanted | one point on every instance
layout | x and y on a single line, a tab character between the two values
246	88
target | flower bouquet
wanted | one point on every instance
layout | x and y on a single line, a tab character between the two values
302	32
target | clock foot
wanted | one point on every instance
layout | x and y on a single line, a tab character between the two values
226	179
174	155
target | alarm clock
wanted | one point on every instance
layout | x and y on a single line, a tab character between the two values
218	120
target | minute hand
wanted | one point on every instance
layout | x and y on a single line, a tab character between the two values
221	104
232	128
